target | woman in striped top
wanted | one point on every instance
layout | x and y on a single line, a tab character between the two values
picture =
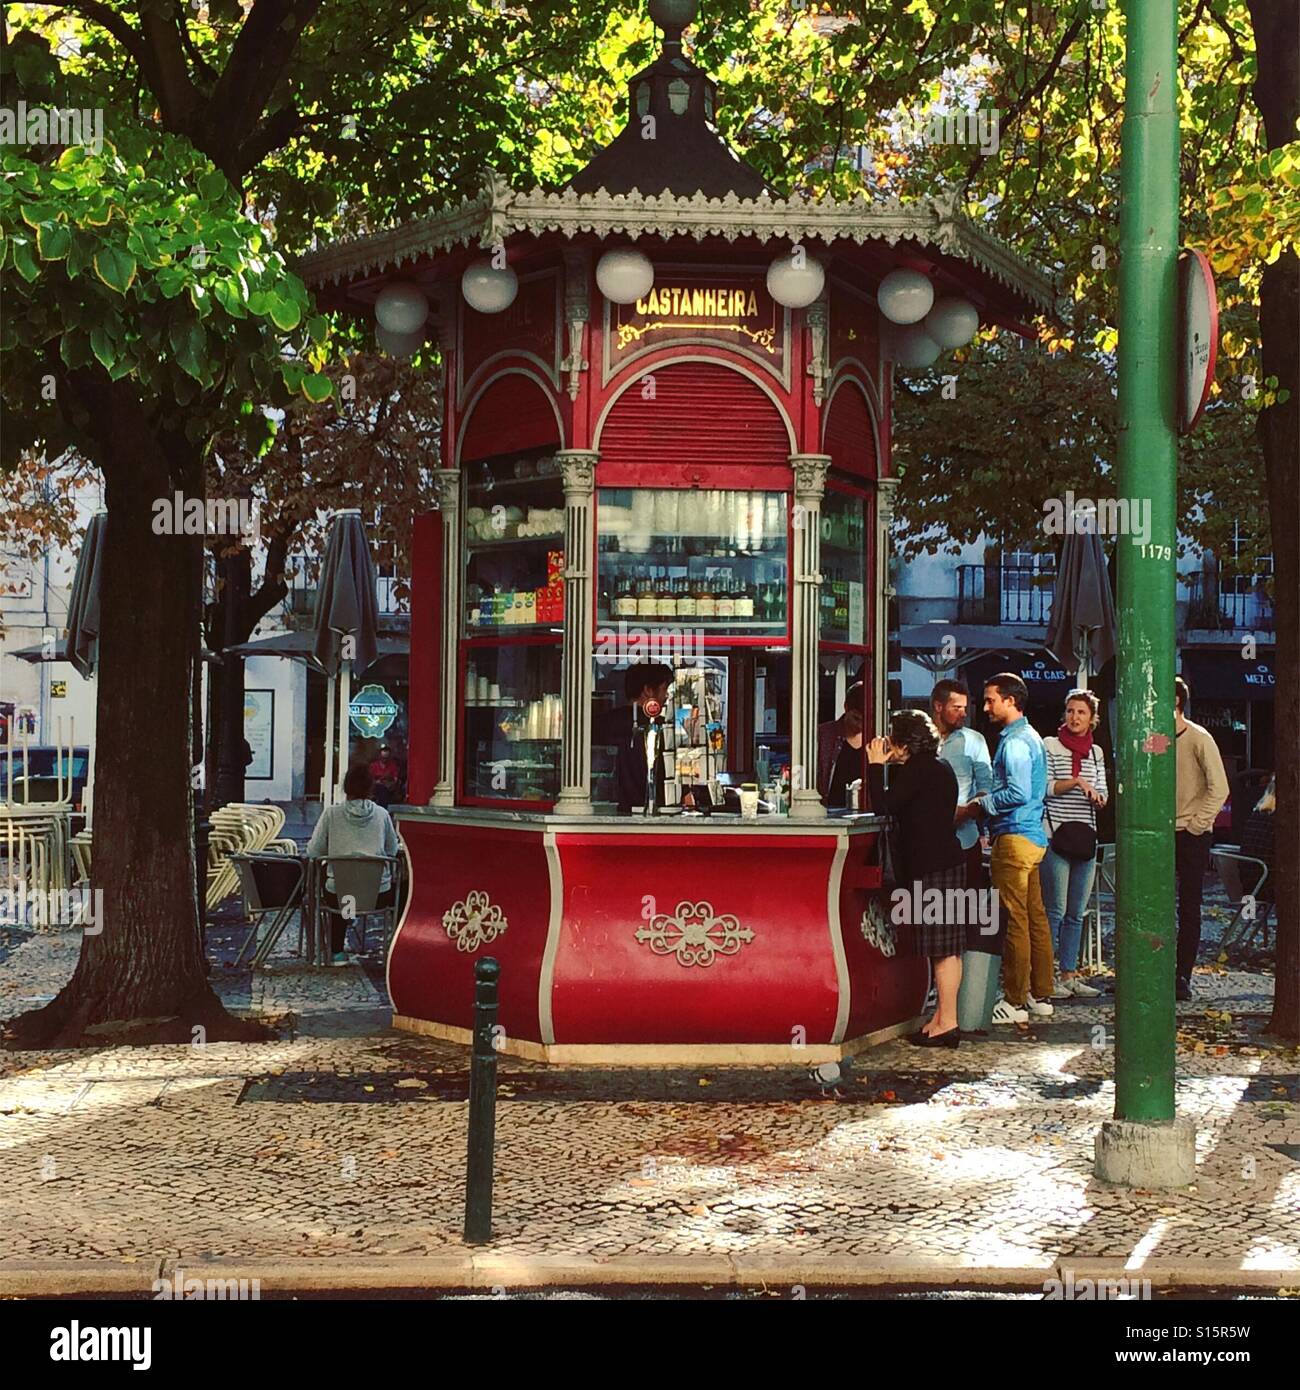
1076	787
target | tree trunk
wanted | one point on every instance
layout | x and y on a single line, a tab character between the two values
143	976
1277	94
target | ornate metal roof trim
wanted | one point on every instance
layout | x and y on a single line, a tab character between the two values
499	211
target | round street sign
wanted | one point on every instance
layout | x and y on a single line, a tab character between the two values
1198	337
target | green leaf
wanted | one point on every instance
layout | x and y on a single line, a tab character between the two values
317	387
317	328
24	261
102	346
229	294
285	314
115	268
213	185
189	342
53	241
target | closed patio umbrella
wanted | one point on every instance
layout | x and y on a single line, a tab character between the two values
345	629
1081	632
81	638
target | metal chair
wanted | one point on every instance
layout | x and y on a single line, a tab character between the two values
357	887
1231	865
1105	876
271	883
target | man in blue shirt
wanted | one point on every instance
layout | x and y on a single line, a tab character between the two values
1014	809
966	752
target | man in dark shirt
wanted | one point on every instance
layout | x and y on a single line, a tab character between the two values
625	728
839	749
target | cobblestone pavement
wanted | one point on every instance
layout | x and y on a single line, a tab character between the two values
347	1141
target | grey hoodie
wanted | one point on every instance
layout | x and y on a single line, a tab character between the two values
354	827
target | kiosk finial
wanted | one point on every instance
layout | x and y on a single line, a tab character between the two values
672	16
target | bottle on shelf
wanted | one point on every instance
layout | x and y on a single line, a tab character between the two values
624	596
726	599
744	600
667	605
686	598
705	603
645	599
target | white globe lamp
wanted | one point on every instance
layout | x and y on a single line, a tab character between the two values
624	275
399	344
401	307
795	281
953	322
910	347
905	296
488	289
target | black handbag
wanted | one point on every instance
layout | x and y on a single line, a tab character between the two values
1073	839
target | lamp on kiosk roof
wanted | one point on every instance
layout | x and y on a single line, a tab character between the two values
487	288
909	345
953	321
401	307
795	280
905	296
624	275
399	344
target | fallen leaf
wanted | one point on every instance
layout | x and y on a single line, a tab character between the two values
411	1083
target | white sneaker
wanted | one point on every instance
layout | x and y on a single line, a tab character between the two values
1004	1012
1080	990
1061	989
1040	1008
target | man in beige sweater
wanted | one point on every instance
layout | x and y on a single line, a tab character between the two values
1202	790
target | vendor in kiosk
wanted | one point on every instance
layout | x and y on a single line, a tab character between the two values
625	729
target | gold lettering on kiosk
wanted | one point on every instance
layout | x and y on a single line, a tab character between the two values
717	308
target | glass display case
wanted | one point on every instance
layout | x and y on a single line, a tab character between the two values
512	632
843	593
512	722
713	560
514	544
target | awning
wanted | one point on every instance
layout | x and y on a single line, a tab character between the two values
298	646
1222	675
924	643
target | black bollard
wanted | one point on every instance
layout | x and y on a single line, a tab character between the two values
482	1105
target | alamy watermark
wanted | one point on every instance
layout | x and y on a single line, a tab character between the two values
36	908
1073	1290
1104	516
179	1288
51	125
616	645
918	905
179	515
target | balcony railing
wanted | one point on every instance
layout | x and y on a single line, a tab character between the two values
1247	611
990	595
301	598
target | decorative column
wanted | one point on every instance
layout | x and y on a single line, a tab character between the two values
885	490
805	586
579	470
447	482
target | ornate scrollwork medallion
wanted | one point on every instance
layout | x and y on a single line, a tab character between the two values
474	921
695	934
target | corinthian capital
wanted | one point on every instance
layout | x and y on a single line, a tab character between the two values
809	476
578	468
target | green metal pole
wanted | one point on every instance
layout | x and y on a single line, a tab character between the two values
1148	460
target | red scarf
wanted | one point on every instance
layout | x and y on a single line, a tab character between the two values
1080	746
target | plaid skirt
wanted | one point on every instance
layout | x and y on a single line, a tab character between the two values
943	938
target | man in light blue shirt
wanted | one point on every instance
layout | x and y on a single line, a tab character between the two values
966	752
1014	809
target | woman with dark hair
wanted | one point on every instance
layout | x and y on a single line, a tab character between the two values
922	798
356	826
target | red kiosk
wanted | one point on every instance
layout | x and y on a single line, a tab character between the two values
666	437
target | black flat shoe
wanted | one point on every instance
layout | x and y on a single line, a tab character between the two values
949	1039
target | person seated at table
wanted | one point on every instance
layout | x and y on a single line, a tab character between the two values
356	826
625	728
